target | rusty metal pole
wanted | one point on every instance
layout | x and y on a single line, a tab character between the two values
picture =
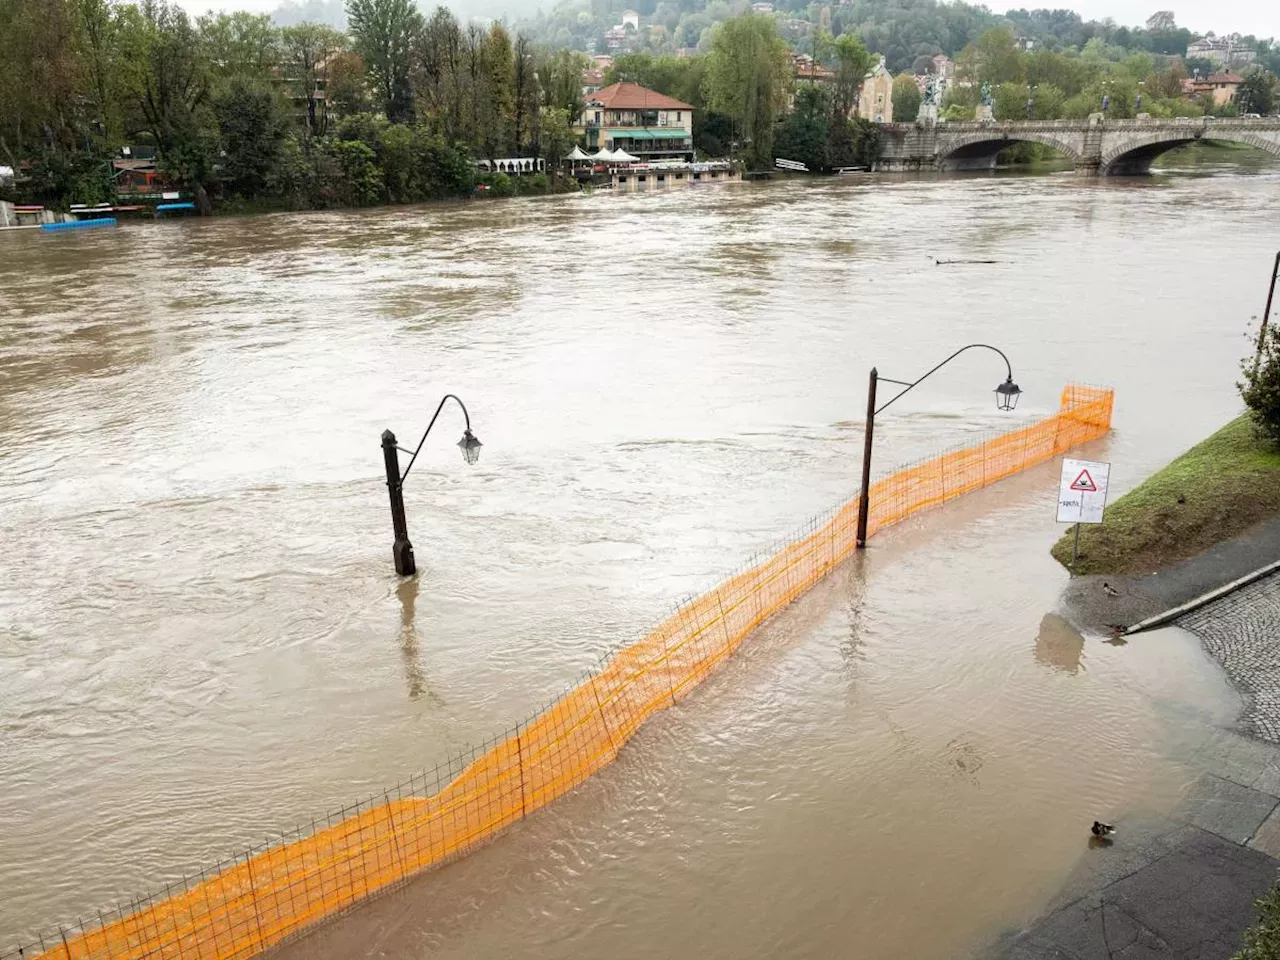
864	498
401	549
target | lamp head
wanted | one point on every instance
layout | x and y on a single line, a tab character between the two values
1007	394
470	447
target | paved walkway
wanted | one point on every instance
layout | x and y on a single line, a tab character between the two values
1180	887
1093	608
1242	632
1184	887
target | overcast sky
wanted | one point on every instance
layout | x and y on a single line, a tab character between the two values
1259	17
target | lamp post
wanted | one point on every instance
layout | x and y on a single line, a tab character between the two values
402	549
1137	106
1031	100
1007	395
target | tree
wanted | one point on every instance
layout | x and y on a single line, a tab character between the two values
992	58
38	74
748	76
385	33
345	92
1260	388
906	98
308	52
495	94
803	135
524	95
558	137
173	93
1161	21
439	75
852	61
252	129
1258	92
240	45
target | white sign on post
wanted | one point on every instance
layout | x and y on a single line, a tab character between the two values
1082	493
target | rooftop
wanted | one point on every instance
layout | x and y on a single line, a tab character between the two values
632	96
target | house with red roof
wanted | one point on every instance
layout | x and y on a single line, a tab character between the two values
1221	86
646	124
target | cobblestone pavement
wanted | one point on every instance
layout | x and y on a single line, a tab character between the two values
1242	632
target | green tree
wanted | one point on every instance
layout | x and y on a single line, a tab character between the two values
558	137
748	77
494	91
560	79
803	134
39	77
1260	390
439	76
385	33
1258	92
173	93
906	98
852	61
240	45
252	128
992	58
524	95
308	49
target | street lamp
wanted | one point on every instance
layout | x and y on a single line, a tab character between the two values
1031	100
1137	105
1007	394
402	549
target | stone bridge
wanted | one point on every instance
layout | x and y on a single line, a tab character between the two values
1097	147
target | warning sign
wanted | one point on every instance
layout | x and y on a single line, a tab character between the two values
1082	493
1084	483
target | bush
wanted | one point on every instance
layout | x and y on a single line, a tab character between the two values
496	185
532	183
1262	940
1261	392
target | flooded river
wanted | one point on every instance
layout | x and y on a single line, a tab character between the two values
202	639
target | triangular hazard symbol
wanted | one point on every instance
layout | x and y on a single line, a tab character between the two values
1084	483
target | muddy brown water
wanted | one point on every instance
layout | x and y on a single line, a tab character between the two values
202	640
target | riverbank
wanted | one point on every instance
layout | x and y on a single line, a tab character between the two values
1212	493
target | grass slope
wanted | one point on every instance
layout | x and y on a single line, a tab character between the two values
1212	492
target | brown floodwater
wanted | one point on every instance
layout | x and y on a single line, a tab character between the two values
202	640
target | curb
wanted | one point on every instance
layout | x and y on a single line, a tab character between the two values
1172	614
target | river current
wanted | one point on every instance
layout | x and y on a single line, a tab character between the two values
203	642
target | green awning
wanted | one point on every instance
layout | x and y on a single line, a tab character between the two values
650	134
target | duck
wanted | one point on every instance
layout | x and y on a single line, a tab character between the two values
1100	829
1109	590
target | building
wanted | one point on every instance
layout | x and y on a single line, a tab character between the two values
806	71
762	7
875	98
592	80
646	124
1223	51
944	67
1221	86
630	19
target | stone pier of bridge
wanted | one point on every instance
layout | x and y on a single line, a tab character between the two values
1096	146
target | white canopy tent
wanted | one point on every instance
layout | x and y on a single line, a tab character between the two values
605	156
621	156
578	154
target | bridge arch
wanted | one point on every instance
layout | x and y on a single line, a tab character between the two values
974	150
1133	155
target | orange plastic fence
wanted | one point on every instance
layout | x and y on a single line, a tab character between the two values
240	909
